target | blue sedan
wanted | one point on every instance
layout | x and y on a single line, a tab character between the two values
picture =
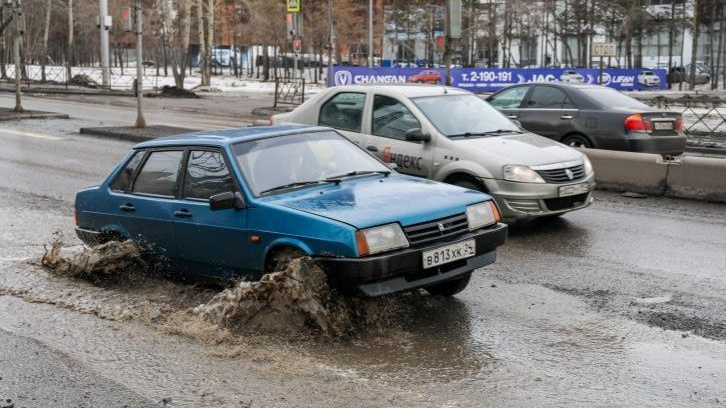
244	202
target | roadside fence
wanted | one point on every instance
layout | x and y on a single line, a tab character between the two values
703	115
90	77
289	91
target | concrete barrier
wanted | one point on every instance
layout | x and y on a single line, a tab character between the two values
625	171
703	178
699	178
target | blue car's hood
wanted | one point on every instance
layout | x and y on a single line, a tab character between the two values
374	200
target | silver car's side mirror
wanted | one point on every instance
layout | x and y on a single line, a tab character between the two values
417	135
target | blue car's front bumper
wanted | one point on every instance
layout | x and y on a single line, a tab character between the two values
403	270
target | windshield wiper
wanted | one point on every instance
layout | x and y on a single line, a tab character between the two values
487	133
291	185
339	177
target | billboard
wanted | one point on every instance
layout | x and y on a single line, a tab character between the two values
493	79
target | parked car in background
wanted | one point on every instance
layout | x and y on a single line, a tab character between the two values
572	77
429	76
592	116
242	202
648	78
680	74
451	135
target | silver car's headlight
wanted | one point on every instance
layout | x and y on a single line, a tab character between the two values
482	215
588	165
524	174
380	239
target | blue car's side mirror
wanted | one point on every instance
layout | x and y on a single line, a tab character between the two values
227	200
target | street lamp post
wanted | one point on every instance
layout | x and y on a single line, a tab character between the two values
103	16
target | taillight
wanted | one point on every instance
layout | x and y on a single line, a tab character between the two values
75	217
269	121
679	124
637	123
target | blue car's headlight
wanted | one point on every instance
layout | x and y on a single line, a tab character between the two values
380	239
482	215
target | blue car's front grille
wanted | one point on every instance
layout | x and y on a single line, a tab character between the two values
437	230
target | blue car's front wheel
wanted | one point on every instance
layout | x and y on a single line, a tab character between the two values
450	287
280	258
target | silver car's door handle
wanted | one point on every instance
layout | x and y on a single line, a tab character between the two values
512	116
566	117
372	148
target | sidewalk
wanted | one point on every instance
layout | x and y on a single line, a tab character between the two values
7	114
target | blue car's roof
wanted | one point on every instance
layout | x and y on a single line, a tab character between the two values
228	136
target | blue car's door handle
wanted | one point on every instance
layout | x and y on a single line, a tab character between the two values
183	213
127	207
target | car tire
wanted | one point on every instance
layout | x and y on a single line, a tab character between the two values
467	184
449	288
577	140
280	258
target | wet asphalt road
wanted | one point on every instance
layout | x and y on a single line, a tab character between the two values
621	304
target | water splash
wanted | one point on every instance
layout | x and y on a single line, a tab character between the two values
110	260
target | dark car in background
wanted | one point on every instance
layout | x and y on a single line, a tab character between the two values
592	116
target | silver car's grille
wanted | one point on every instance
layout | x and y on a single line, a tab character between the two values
563	175
436	230
527	206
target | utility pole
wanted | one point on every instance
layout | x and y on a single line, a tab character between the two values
370	33
20	31
16	54
140	121
330	43
103	27
447	44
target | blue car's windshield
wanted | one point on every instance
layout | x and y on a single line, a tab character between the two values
456	115
301	159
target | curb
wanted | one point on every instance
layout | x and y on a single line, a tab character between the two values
133	134
697	178
32	115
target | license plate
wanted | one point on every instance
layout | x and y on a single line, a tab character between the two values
449	253
663	125
574	189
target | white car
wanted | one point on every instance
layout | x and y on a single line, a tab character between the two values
648	78
451	135
572	77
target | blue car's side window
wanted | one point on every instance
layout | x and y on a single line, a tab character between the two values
159	175
122	182
207	174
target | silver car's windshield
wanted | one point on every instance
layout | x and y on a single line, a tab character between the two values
280	163
463	115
